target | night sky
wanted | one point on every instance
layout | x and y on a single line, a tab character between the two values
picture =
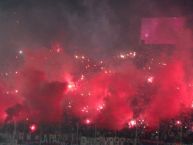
107	25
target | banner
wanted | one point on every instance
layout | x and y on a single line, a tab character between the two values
104	141
70	139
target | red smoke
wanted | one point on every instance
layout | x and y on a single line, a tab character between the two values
109	95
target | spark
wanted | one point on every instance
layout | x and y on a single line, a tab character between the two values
190	85
6	74
82	77
7	92
192	105
107	71
132	54
33	127
20	52
164	64
83	57
102	68
87	121
16	91
100	107
69	105
4	116
146	35
150	79
141	121
85	109
178	122
71	86
122	56
76	56
178	88
87	66
58	50
132	123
